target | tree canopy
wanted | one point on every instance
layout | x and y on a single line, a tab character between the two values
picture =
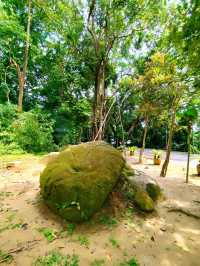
82	70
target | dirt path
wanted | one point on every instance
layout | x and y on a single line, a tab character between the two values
165	239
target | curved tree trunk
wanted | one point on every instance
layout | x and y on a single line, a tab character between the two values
169	146
144	140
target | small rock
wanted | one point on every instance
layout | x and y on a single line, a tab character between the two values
153	239
92	251
25	226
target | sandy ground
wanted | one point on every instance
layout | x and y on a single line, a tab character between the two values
162	239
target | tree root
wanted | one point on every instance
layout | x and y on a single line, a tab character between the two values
28	245
184	211
196	201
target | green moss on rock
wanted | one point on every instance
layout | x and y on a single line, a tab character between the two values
127	171
154	191
77	182
143	201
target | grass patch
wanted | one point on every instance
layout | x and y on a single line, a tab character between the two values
98	263
4	194
21	156
68	232
12	226
48	233
70	229
11	217
129	213
5	257
18	225
83	240
108	221
55	258
125	254
114	242
4	228
131	262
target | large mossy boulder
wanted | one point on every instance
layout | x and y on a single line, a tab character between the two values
76	183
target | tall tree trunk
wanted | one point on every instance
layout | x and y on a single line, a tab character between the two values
189	151
144	139
99	101
22	73
169	145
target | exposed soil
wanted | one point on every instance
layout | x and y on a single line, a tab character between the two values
163	239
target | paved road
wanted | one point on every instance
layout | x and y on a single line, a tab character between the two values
175	155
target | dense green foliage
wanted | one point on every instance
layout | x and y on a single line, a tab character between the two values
90	61
33	132
29	131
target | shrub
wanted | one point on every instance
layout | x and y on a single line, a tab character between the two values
8	113
132	148
195	147
157	154
71	135
29	131
33	132
12	148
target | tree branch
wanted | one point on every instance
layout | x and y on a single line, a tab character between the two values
13	62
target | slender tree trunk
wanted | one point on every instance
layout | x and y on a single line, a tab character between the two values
169	145
189	151
22	73
102	104
98	107
144	140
